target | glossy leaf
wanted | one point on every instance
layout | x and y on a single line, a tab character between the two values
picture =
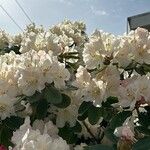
142	144
52	95
99	147
119	119
66	100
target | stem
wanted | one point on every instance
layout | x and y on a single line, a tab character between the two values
90	132
101	136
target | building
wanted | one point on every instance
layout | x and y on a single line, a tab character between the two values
141	20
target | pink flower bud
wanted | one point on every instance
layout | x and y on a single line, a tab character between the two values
124	132
2	147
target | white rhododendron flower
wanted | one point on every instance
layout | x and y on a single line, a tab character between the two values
111	78
93	54
33	28
135	90
28	43
30	80
52	41
55	39
65	41
123	55
16	39
140	41
62	75
134	46
71	30
46	127
8	82
67	115
28	139
31	71
4	39
6	106
89	89
100	46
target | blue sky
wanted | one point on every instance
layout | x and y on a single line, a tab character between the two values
108	15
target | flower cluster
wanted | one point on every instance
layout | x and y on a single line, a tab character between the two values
27	73
60	89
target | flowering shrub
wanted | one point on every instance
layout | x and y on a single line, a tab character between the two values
62	89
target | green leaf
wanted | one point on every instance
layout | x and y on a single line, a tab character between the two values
77	128
131	66
142	144
7	127
85	106
68	134
5	136
143	130
15	49
66	100
98	147
110	100
83	116
146	67
83	110
35	97
41	109
144	119
13	122
72	53
52	95
119	119
73	57
140	70
107	113
109	133
94	114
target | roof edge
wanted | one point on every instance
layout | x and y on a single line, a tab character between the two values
143	14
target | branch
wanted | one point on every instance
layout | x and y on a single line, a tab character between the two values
97	141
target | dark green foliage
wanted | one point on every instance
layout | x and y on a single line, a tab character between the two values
142	144
52	95
87	109
119	119
99	147
70	133
7	127
65	101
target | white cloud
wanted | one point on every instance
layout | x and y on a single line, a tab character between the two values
98	12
